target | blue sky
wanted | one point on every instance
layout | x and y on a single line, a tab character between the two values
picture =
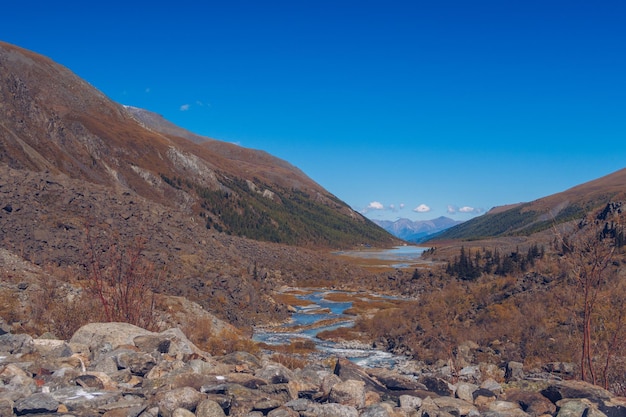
412	109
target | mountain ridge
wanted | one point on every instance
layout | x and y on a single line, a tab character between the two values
54	121
525	219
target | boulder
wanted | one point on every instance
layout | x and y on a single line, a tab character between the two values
347	370
181	412
465	391
576	389
274	373
578	407
187	398
138	363
95	335
36	403
209	408
16	344
79	398
437	385
533	403
331	410
377	410
514	371
283	412
52	348
410	402
393	380
455	406
349	392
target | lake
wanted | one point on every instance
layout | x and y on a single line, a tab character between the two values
398	257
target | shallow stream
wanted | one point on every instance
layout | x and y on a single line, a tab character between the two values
308	321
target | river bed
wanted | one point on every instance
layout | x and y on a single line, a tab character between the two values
318	314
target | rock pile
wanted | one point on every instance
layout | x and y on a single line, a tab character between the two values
119	370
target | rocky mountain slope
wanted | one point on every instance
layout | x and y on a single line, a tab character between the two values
416	231
525	219
224	225
52	121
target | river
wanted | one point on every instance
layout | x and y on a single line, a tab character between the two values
309	320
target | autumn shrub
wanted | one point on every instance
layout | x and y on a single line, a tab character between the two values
290	361
9	306
122	280
200	331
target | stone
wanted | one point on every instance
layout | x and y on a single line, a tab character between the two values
152	343
533	403
267	404
6	407
514	371
465	391
241	358
333	410
51	348
209	408
576	389
328	383
577	407
409	401
491	385
15	344
181	412
36	403
275	373
565	369
483	397
436	385
187	398
377	410
349	392
283	412
96	335
394	381
79	398
455	405
139	363
347	370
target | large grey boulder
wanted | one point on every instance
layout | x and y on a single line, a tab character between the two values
576	389
209	408
187	398
16	344
95	335
349	392
36	403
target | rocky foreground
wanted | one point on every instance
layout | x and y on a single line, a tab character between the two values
116	369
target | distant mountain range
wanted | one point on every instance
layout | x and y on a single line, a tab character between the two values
418	230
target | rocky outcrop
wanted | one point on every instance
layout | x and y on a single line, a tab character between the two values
116	369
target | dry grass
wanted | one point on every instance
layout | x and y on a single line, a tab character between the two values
200	331
291	299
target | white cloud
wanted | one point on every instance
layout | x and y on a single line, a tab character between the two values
375	205
401	206
465	209
185	107
422	208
